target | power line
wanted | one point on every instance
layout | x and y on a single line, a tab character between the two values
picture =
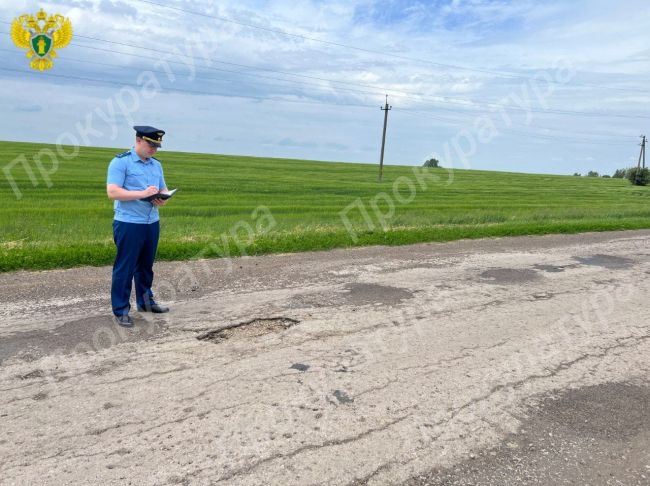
383	89
409	111
380	89
347	46
470	104
373	51
422	114
467	103
187	91
329	80
533	135
300	83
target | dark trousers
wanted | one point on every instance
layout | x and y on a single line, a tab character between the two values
136	251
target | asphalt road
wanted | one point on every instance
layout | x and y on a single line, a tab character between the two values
491	362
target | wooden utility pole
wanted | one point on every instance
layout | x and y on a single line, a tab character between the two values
385	109
642	153
639	177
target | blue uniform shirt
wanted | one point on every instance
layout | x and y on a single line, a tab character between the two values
128	171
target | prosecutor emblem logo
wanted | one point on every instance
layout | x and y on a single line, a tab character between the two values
41	35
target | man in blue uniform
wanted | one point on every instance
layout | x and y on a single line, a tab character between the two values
132	176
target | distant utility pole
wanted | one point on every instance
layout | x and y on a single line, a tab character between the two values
385	109
641	159
642	153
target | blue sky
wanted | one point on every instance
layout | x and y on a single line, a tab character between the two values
468	80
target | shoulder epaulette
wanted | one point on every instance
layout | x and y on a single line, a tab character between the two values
123	154
157	160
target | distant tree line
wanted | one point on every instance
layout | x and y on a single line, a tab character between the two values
637	176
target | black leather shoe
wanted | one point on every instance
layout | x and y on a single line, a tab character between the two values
124	320
155	308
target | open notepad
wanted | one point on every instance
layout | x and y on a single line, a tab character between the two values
160	195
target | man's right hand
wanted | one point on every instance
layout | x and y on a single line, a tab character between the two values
149	191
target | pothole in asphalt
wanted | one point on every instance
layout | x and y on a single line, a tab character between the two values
605	261
248	329
509	275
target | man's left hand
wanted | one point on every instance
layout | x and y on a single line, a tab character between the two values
159	202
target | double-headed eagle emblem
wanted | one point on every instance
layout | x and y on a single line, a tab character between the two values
41	34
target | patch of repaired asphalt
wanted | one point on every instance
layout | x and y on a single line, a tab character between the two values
365	293
248	329
606	261
501	276
80	336
596	435
356	294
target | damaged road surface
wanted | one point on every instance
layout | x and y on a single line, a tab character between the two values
491	362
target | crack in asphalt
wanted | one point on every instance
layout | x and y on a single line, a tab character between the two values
364	480
375	388
557	369
138	433
147	376
47	382
309	447
516	384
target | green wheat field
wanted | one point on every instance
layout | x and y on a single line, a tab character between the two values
67	221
